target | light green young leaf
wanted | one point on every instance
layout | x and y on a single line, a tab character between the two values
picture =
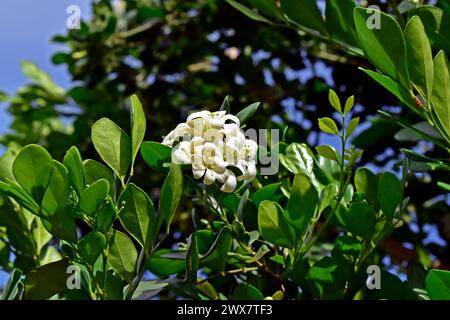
334	101
328	125
349	104
352	125
326	152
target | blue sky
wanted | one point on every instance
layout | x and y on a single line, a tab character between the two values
26	27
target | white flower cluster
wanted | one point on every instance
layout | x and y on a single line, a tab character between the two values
212	142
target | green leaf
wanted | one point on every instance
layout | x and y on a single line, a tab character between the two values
268	192
438	284
248	12
436	22
164	267
215	258
14	287
327	152
349	104
441	90
93	197
334	101
192	259
113	145
389	194
247	113
383	45
328	125
366	183
105	217
138	215
32	169
122	256
339	23
392	288
245	291
268	7
327	279
170	195
57	194
273	225
61	226
74	164
156	154
301	157
302	204
419	57
352	125
305	13
226	105
94	171
148	289
91	246
138	127
46	281
393	87
360	219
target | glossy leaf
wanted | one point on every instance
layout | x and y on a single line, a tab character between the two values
383	45
438	284
138	126
302	204
441	90
304	13
247	113
93	197
113	145
32	169
122	255
74	164
170	195
389	194
156	154
419	57
138	215
328	125
91	246
46	281
273	225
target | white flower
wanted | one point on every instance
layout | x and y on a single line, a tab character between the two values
212	142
